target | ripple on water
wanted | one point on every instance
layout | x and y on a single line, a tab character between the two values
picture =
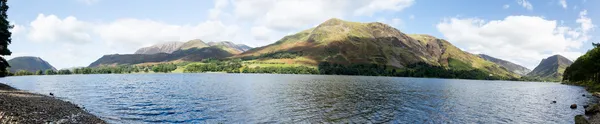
265	98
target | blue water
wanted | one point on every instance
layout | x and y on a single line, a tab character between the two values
266	98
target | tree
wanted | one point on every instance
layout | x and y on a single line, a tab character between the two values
39	72
596	44
49	72
5	37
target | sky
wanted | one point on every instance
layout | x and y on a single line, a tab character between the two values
74	33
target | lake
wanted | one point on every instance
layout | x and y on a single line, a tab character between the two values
272	98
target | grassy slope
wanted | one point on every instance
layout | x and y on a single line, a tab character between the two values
352	42
30	64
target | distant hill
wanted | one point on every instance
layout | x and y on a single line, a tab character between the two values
551	68
196	43
167	47
29	63
344	42
506	64
192	54
193	50
231	47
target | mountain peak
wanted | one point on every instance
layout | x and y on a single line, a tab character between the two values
165	47
551	68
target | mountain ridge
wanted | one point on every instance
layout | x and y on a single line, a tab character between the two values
166	47
346	42
551	68
507	64
29	63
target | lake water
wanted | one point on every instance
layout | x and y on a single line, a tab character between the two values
266	98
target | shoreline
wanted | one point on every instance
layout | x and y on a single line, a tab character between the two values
592	112
18	106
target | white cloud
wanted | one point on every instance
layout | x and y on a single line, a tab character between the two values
395	22
411	17
53	29
283	16
586	22
293	14
261	33
129	34
136	33
526	4
18	29
506	6
563	3
215	12
524	40
381	5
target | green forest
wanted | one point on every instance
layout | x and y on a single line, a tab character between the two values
585	71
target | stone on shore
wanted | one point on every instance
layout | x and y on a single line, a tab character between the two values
592	110
573	106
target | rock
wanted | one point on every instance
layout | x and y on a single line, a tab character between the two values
580	119
592	110
553	101
586	106
573	106
596	94
51	94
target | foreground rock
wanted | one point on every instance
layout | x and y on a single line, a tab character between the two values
17	106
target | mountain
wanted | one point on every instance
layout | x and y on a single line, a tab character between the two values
167	47
551	68
29	63
231	47
193	50
515	68
192	54
344	42
196	43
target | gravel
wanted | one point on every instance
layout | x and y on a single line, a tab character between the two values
17	106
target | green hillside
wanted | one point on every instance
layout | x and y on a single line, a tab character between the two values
343	42
28	63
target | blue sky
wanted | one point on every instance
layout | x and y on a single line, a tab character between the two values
74	33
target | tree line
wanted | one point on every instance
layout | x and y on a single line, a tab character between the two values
324	68
122	69
585	71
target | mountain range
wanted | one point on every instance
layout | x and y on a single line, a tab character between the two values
29	63
193	50
341	42
344	42
170	47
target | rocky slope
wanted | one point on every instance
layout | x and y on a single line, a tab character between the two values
551	68
515	68
167	47
346	42
28	63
